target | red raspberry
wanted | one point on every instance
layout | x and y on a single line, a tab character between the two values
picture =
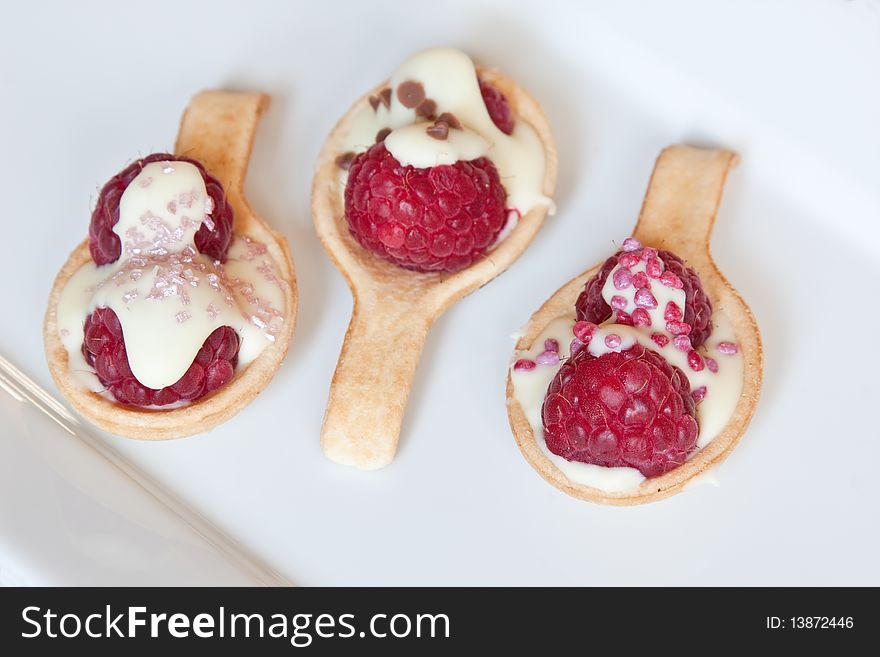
104	244
630	408
439	218
499	109
591	307
104	349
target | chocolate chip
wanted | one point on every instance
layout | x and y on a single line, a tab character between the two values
384	132
439	130
410	93
382	98
426	108
344	161
450	119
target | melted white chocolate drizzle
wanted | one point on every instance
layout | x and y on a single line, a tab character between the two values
169	297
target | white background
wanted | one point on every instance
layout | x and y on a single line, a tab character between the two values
793	86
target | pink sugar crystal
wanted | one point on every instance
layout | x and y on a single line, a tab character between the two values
583	331
682	343
640	279
551	345
678	328
712	364
695	361
672	313
648	252
548	358
727	348
641	317
524	364
670	279
659	339
623	318
631	244
699	394
618	302
628	259
622	278
612	341
575	346
644	298
653	268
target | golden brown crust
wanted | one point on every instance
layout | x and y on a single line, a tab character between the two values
678	214
218	130
393	307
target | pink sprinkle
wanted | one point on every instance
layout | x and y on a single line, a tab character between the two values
671	280
644	298
659	339
182	316
628	259
583	331
672	312
727	348
695	361
524	364
622	278
551	345
678	328
618	302
631	244
575	346
548	358
640	279
623	318
648	253
682	343
612	341
712	364
641	317
699	394
653	268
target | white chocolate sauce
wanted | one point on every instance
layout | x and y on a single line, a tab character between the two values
723	390
411	145
450	80
169	297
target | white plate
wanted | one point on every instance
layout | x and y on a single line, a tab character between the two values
791	85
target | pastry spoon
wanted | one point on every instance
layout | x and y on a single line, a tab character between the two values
677	215
394	308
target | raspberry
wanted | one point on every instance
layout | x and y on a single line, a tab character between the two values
104	244
104	349
628	408
590	305
441	218
499	109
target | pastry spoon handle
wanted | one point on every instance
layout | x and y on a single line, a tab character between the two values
682	201
373	377
219	126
